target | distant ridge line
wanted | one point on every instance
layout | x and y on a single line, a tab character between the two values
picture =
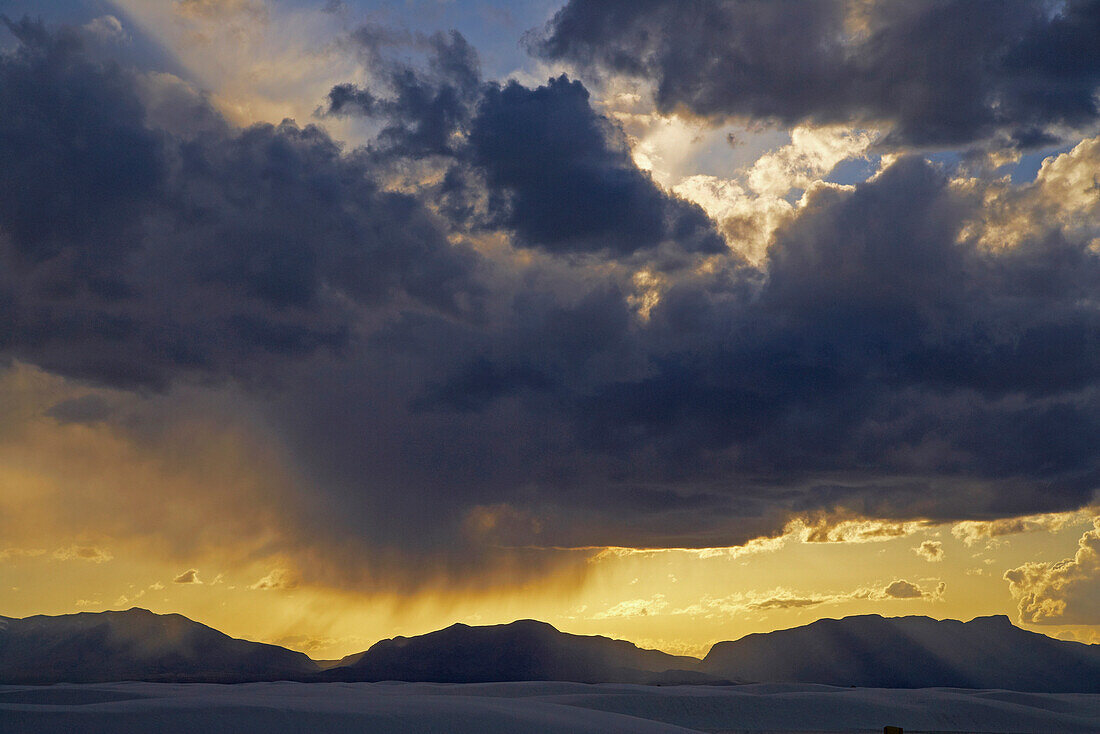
863	651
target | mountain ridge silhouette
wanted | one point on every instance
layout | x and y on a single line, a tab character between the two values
862	650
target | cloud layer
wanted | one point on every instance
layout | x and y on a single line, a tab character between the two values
937	73
443	329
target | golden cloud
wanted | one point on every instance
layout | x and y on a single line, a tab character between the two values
1062	592
930	550
91	553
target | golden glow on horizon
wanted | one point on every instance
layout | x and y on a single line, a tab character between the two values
82	530
93	519
678	600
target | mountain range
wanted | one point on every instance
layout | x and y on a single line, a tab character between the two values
95	647
910	652
523	650
864	651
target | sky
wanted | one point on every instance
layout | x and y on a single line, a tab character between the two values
326	321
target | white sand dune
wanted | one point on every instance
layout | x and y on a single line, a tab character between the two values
495	708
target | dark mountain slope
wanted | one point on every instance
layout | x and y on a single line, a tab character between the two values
523	650
135	645
865	651
910	652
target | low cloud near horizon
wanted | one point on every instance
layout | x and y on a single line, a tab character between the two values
1061	592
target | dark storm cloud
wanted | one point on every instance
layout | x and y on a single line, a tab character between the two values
942	72
566	179
559	174
423	110
440	403
78	165
86	409
884	367
133	255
